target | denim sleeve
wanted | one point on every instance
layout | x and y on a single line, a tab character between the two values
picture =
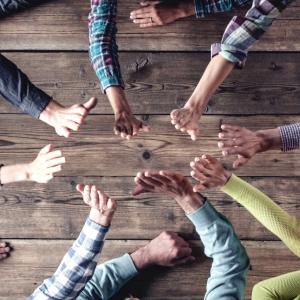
230	261
17	89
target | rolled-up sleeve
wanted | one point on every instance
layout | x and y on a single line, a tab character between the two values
242	32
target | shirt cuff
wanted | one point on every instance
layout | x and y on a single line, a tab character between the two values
107	82
126	267
92	236
230	53
199	9
204	216
233	186
290	137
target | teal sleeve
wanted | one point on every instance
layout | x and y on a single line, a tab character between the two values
109	278
230	261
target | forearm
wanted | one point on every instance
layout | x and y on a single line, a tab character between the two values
77	266
16	88
117	99
270	139
109	278
230	260
103	47
216	72
279	222
14	173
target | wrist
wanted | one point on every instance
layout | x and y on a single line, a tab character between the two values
185	9
226	177
98	218
141	258
269	139
117	99
47	115
191	202
197	105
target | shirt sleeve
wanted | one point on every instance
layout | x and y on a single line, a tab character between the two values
204	8
242	32
290	136
109	278
267	212
230	261
77	266
18	90
103	46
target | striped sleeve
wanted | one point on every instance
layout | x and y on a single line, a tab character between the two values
76	268
290	136
242	32
103	48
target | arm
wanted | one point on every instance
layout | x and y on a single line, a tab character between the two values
239	36
281	287
230	261
8	7
17	89
105	61
78	265
271	215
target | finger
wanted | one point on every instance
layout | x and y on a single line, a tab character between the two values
210	159
64	131
148	180
145	3
184	252
148	25
46	149
240	161
55	162
4	250
80	110
145	128
198	176
175	114
198	188
158	177
226	127
233	150
102	199
4	255
139	189
140	12
72	125
111	204
77	118
143	19
171	176
201	167
94	198
52	170
153	180
129	128
230	143
53	155
184	260
80	188
229	135
87	194
145	187
193	133
90	104
3	244
47	178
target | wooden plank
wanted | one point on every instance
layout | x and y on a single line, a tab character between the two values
62	25
56	210
154	85
26	271
96	151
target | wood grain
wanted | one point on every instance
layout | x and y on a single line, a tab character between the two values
96	151
56	210
26	271
62	25
269	84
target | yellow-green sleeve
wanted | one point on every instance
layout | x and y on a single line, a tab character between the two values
279	222
281	287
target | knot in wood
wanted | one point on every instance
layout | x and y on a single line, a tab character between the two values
141	63
146	155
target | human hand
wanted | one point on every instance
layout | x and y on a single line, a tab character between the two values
4	250
102	207
46	164
172	184
186	120
209	172
168	249
244	143
65	119
158	13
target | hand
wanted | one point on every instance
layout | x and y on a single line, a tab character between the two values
168	249
158	13
173	184
209	172
244	143
65	119
127	126
102	207
4	250
186	120
46	164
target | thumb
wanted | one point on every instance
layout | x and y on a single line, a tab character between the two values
240	161
138	190
193	133
46	149
80	187
184	260
90	104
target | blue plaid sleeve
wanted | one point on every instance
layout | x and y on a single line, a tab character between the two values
242	32
103	46
76	268
290	136
207	7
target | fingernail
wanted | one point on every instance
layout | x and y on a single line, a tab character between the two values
223	126
225	153
221	135
220	144
192	164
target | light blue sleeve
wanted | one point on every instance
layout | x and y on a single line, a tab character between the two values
109	278
230	264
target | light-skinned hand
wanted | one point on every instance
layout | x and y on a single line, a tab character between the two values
102	207
4	250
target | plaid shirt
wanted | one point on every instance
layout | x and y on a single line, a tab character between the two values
76	268
290	136
103	29
242	32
